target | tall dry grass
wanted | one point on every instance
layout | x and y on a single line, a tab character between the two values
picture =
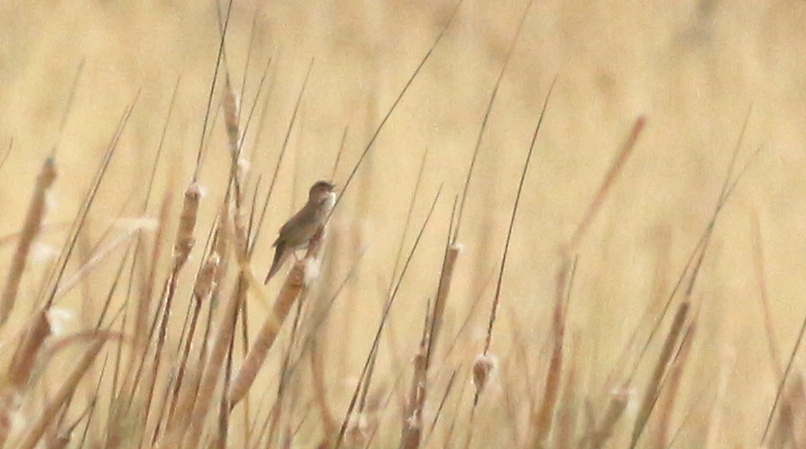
560	224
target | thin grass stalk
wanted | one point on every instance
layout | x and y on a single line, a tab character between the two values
281	156
94	259
197	398
406	223
153	414
788	428
52	434
486	118
413	426
761	277
412	432
661	367
185	240
143	306
412	429
661	438
85	256
55	276
598	437
542	417
362	206
797	401
366	384
218	352
245	342
285	397
497	297
259	90
444	288
58	442
183	245
342	354
329	424
30	229
715	421
510	415
57	273
339	153
449	438
36	430
20	369
700	248
185	401
293	287
394	105
201	291
782	430
367	426
213	367
141	384
116	407
243	252
220	439
660	282
609	179
262	426
7	153
310	341
213	82
568	409
364	377
230	105
203	288
148	274
221	247
261	120
367	148
8	407
441	407
111	435
314	344
464	328
10	238
68	107
89	412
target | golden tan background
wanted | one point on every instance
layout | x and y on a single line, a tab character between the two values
694	69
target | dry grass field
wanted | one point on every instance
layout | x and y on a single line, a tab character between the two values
639	283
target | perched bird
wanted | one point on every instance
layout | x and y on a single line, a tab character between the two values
299	229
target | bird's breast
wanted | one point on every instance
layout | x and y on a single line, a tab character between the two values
327	206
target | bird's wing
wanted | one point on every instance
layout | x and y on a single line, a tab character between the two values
289	232
280	255
283	233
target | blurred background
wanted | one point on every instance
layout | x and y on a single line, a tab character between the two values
697	70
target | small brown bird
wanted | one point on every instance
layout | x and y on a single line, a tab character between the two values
299	229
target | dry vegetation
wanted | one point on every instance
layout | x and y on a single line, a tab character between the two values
565	224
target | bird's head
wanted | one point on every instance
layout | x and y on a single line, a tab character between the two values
321	190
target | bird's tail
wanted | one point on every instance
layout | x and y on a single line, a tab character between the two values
280	255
